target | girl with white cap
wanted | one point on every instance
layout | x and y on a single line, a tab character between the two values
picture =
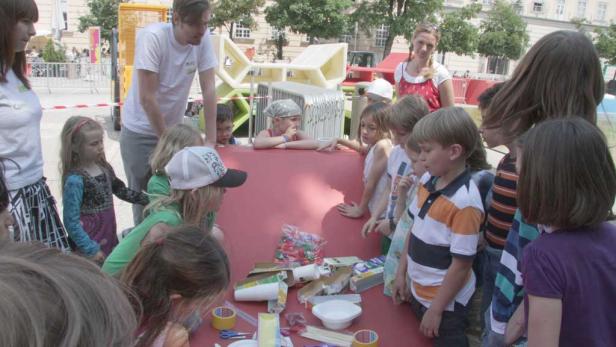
198	178
285	133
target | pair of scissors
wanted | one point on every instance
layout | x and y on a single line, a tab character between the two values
230	334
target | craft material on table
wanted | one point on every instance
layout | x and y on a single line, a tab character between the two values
269	330
336	314
306	273
365	338
230	334
299	246
242	314
354	298
367	274
337	262
223	318
328	336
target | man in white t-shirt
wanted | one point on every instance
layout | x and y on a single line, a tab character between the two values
167	55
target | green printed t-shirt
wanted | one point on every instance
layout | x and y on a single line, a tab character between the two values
126	250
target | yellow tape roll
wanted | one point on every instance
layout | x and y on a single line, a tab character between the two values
365	338
223	318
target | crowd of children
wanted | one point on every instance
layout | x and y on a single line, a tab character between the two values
535	235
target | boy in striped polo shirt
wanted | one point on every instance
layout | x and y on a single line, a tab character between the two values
447	212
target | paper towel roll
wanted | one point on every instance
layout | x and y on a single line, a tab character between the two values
262	292
306	273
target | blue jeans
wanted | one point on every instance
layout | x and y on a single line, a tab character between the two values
489	338
491	260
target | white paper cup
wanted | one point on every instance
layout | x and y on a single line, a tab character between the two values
306	273
262	292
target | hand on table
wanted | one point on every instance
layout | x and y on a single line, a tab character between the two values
399	290
350	210
368	227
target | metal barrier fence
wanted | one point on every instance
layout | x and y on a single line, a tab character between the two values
93	77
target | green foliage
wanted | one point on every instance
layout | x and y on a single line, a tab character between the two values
53	53
458	34
315	18
605	42
103	13
230	11
503	32
400	15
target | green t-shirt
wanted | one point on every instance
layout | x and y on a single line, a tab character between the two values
158	187
126	250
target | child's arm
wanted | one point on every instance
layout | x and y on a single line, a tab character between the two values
544	319
119	189
454	280
371	224
352	144
378	168
403	187
264	140
72	198
400	292
516	326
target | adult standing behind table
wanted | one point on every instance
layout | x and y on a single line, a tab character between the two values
167	55
420	74
31	204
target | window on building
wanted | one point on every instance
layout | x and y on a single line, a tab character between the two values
348	38
601	11
64	10
538	6
581	9
240	31
275	33
380	35
560	8
498	65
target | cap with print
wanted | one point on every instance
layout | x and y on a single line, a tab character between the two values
196	167
282	108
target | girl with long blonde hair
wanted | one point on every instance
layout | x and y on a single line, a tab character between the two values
88	186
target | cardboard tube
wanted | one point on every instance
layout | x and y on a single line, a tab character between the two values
306	273
365	338
262	292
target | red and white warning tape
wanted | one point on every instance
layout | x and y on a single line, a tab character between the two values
112	104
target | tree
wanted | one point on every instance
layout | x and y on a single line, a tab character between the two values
503	33
315	18
53	53
401	16
605	42
103	13
458	35
228	12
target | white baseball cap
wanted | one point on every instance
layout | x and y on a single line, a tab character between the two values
381	89
199	166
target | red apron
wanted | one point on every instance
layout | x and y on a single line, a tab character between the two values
426	89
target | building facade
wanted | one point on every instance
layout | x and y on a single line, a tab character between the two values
541	16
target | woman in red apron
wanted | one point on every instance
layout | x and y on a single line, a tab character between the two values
420	75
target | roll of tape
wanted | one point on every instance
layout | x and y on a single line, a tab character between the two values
223	318
365	338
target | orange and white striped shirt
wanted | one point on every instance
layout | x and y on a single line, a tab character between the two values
446	225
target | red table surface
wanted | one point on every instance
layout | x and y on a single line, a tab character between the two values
301	188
